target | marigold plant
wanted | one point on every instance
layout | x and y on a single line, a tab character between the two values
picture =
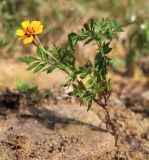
89	81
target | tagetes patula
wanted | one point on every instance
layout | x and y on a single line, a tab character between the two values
29	30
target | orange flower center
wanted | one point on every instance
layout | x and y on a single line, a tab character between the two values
29	31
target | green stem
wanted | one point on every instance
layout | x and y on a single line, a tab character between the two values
61	66
45	51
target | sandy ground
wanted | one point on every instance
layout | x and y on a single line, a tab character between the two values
48	132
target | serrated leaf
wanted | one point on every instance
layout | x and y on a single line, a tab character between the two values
28	59
39	67
33	66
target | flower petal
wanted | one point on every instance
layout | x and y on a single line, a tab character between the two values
25	24
39	30
35	24
28	40
20	32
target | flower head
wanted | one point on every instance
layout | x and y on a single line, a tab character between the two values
29	30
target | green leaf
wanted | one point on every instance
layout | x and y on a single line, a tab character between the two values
112	24
88	41
39	52
50	69
89	104
86	27
46	57
28	59
106	48
84	74
73	77
39	67
119	30
92	24
33	66
82	37
99	61
55	51
72	37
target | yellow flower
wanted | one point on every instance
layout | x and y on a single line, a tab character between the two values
29	30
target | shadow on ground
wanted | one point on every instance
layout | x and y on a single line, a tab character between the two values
50	119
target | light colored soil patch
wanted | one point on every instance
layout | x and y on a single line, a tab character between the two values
51	134
12	72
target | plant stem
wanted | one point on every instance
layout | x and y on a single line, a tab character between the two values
107	115
47	52
108	120
61	66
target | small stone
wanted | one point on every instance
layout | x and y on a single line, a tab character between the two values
118	102
134	143
51	148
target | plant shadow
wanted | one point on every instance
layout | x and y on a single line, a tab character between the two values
50	119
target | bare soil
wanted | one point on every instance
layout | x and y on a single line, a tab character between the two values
52	131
